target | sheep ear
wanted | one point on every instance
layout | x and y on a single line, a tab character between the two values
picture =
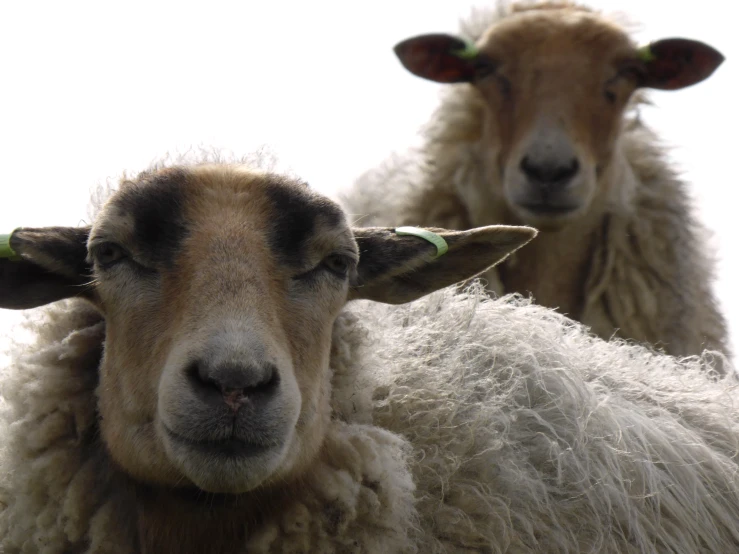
677	63
40	266
395	269
438	57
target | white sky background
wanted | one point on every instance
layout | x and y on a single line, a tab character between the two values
90	89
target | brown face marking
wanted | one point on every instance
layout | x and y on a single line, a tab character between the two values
155	202
297	214
215	368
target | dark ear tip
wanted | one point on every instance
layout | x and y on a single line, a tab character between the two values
406	44
399	48
431	41
716	57
719	58
16	236
689	44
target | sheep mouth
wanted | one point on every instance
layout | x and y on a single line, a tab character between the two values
545	208
225	448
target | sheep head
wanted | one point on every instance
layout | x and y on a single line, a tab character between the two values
219	286
553	82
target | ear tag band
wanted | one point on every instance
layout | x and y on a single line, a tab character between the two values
646	55
6	251
433	238
469	52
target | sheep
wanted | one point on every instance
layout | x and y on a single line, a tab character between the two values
452	423
177	397
539	125
531	435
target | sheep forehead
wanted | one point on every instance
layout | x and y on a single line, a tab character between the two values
555	33
155	214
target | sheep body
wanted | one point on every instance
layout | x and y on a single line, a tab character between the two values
531	436
461	424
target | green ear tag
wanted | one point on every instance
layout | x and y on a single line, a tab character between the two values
433	238
646	55
6	251
469	52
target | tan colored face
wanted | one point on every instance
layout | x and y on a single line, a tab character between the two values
550	83
555	100
219	287
219	290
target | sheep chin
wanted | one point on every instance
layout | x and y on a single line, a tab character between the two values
227	467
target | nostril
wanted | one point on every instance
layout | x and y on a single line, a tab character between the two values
233	383
568	171
550	172
267	384
236	397
198	376
529	168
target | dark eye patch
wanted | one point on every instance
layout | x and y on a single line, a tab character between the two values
486	68
504	84
156	203
624	72
297	213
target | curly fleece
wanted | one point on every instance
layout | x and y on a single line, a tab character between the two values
461	424
60	494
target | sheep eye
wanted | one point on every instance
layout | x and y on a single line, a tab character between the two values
485	70
337	264
108	254
504	85
627	71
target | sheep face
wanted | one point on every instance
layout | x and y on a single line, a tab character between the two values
219	324
219	286
553	82
553	109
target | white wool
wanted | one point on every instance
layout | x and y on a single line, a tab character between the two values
461	424
264	159
59	493
532	436
521	433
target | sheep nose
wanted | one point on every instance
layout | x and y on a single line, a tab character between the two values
549	173
234	384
